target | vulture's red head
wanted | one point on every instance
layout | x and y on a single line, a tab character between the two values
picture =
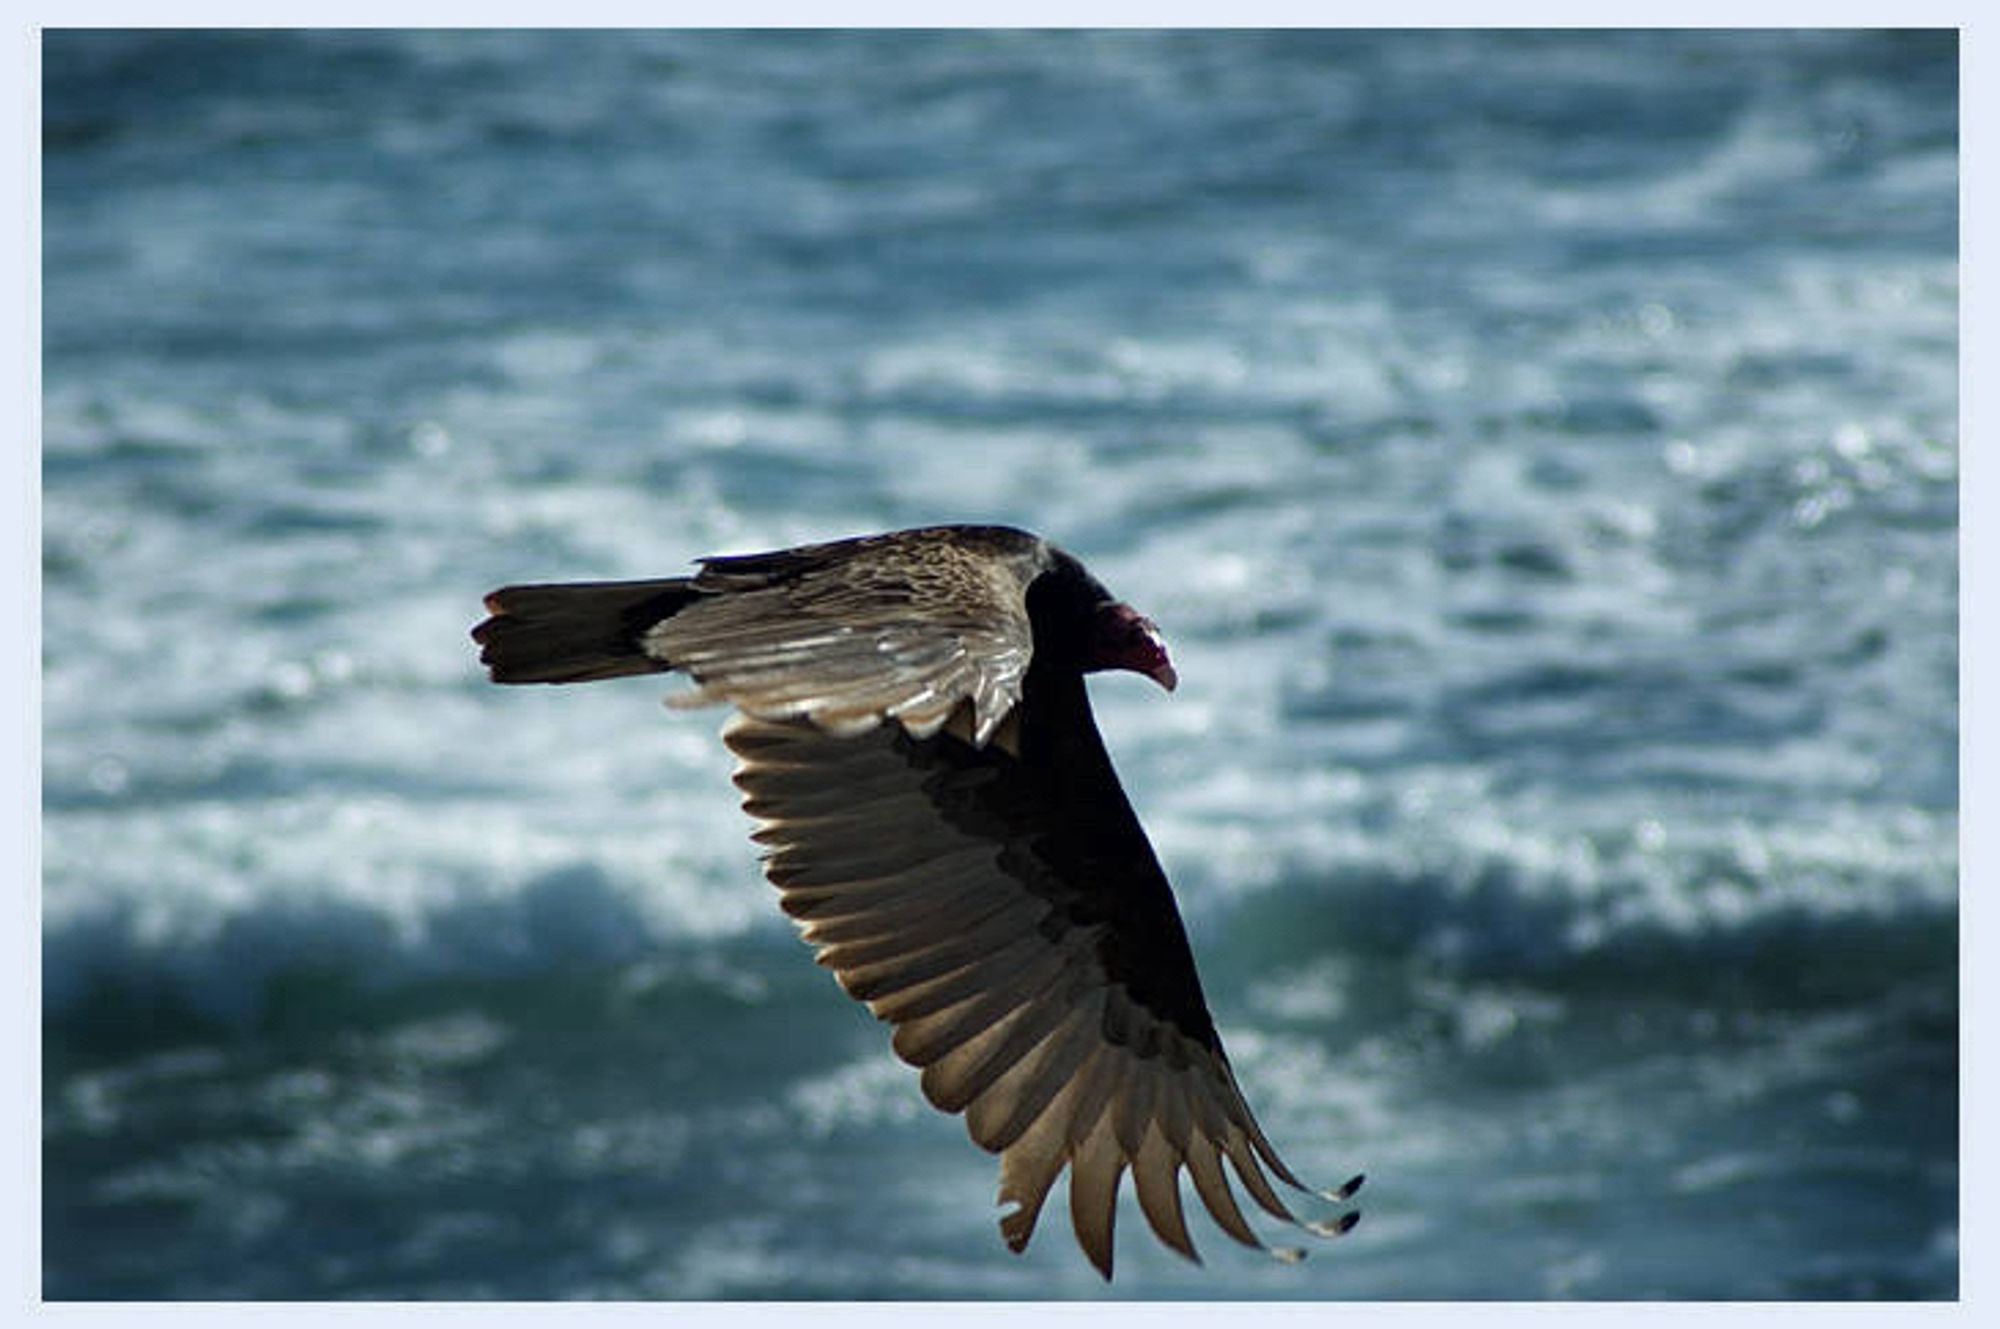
1123	638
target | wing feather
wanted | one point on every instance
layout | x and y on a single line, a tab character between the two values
1030	1167
1205	1169
1156	1177
1238	1148
1095	1171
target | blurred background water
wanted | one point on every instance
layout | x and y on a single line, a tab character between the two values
1539	449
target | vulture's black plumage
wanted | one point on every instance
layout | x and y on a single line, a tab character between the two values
944	825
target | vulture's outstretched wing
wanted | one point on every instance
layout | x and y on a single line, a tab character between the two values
1005	913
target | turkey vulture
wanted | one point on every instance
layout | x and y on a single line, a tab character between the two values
971	871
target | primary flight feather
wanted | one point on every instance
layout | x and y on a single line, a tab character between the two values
945	827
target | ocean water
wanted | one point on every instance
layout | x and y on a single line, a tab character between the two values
1539	449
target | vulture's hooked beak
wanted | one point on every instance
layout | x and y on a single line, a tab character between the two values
1127	639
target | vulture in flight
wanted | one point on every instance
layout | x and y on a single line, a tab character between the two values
944	826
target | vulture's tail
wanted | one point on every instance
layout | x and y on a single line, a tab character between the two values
576	632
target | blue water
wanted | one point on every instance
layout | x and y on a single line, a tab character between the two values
1539	450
